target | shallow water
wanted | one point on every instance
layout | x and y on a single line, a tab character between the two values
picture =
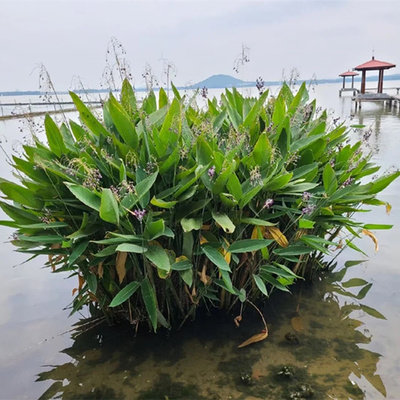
336	354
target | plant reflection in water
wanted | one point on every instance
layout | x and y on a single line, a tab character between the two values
317	348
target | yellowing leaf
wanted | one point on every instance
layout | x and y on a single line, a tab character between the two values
120	264
300	233
180	258
51	256
258	232
227	257
297	323
272	232
373	237
100	270
82	281
203	240
254	339
388	208
203	275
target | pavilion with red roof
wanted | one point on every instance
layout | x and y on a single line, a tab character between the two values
373	65
345	75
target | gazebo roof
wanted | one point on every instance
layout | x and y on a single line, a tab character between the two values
374	65
349	73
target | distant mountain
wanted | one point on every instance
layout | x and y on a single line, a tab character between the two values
227	81
220	81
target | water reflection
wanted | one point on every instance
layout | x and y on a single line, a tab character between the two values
315	350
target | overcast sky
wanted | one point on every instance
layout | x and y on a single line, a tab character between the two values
201	38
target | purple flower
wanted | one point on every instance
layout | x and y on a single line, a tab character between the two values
306	197
309	209
139	214
268	203
348	182
211	172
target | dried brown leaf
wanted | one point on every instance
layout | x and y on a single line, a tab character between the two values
373	237
256	338
100	270
297	323
237	319
120	264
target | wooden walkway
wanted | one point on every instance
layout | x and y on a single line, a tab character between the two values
30	113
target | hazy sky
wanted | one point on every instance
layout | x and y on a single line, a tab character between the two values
201	38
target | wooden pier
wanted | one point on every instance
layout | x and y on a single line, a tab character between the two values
384	98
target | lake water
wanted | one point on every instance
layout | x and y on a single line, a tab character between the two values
345	349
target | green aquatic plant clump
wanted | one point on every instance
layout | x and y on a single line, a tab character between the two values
164	207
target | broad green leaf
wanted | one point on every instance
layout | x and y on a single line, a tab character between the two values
371	311
20	194
261	285
274	282
329	179
256	221
242	295
167	135
42	239
246	245
223	178
306	223
162	98
223	221
150	301
124	294
87	117
92	282
234	186
254	112
352	263
108	251
190	224
109	210
77	252
182	265
123	123
187	276
162	204
279	182
54	137
262	151
226	282
158	257
294	250
143	187
85	195
128	99
131	248
354	282
203	151
377	226
215	257
154	229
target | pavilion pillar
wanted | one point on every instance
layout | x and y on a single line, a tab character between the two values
344	82
352	82
363	77
380	81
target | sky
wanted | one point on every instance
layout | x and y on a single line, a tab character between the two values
198	38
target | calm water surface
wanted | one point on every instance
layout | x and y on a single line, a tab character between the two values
348	348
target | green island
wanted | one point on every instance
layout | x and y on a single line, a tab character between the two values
168	206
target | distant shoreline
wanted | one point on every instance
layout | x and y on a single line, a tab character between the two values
200	85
